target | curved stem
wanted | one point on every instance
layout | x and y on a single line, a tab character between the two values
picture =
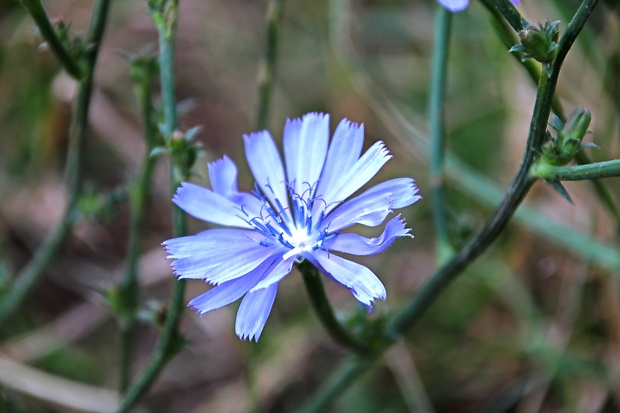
170	341
37	12
32	273
578	172
511	14
436	130
267	66
324	311
505	33
337	384
406	318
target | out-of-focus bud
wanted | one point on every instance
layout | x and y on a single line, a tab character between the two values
539	43
182	148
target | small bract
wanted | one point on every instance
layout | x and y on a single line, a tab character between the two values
295	213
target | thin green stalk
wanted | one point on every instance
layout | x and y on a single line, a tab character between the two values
436	130
267	66
324	311
140	190
406	318
338	384
601	190
411	313
548	172
170	341
32	273
505	33
38	14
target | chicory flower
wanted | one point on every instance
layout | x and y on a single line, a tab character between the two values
296	212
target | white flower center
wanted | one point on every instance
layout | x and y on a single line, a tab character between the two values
299	234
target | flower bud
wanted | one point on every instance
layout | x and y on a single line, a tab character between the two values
562	149
539	43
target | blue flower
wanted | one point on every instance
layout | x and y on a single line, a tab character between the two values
460	5
293	214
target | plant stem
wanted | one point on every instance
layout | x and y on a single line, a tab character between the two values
506	35
38	14
511	14
436	130
324	311
139	193
170	341
601	190
32	273
267	66
338	384
578	172
406	318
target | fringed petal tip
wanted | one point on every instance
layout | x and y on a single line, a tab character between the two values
196	309
249	337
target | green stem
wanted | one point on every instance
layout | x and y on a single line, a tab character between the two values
267	66
38	14
601	190
32	273
129	288
170	341
338	384
511	14
505	33
409	315
548	172
324	311
436	130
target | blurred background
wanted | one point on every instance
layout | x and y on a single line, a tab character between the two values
532	326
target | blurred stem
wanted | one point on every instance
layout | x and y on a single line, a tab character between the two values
409	315
139	191
511	14
337	384
267	66
436	129
32	273
601	190
48	33
324	311
577	173
170	342
506	35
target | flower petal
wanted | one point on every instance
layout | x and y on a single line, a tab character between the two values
254	311
357	245
209	206
228	291
223	176
266	165
209	242
305	148
372	207
344	150
454	5
281	270
357	175
362	282
232	263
